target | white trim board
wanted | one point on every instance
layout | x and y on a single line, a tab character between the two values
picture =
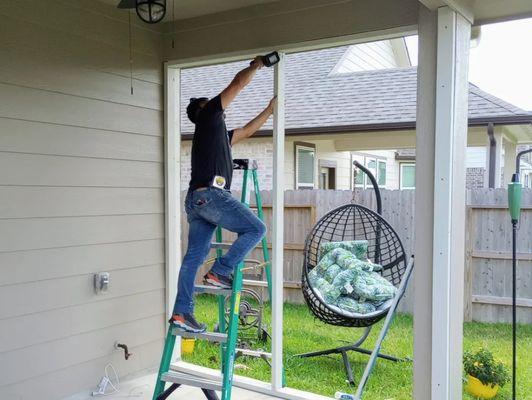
246	383
454	33
172	193
277	265
326	43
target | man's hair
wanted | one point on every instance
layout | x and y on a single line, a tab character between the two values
194	108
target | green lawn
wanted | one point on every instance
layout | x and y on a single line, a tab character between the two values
389	380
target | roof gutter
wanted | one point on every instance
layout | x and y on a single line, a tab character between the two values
492	154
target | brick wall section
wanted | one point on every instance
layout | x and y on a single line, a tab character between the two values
475	178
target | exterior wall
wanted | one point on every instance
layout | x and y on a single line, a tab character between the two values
81	183
476	157
392	166
261	149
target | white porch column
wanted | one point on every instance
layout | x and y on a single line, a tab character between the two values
278	228
440	203
172	169
510	152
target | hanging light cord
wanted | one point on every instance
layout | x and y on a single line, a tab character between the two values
130	53
173	23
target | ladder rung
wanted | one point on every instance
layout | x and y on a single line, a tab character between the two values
212	290
224	246
253	353
189	380
209	336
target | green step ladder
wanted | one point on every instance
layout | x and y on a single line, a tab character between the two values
228	336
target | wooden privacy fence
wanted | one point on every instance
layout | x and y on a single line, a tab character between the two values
488	262
488	244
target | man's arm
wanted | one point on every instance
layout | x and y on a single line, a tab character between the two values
240	81
255	124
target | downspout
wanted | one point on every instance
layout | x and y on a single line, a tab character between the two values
492	155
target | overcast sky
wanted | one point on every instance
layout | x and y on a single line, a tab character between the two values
501	64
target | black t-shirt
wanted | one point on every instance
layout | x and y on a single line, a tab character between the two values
211	147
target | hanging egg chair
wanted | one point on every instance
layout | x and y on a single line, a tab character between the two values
352	222
348	223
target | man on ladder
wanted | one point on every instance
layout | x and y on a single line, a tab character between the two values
209	203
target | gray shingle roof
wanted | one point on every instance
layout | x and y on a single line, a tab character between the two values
317	99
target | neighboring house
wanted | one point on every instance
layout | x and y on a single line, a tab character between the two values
337	112
396	169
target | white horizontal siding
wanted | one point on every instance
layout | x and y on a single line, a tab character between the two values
52	139
65	381
82	191
32	361
367	57
18	68
45	106
48	295
87	52
39	202
39	170
476	157
85	317
61	262
42	233
88	21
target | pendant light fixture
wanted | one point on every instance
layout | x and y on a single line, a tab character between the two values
149	11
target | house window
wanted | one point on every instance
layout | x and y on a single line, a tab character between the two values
359	178
377	167
304	161
371	164
381	173
408	176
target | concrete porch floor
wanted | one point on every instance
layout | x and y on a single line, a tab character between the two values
141	388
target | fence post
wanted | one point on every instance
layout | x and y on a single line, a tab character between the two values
468	265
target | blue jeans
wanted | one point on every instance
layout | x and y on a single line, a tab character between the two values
206	209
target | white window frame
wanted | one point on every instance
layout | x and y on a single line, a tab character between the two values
378	175
401	167
296	168
366	184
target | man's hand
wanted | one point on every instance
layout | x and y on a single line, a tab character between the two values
272	104
255	124
257	62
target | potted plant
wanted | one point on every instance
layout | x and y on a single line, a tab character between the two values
484	374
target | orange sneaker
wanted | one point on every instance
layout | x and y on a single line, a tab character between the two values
187	323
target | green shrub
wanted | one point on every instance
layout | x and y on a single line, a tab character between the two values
482	366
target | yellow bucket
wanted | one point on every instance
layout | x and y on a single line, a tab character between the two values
187	346
477	389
